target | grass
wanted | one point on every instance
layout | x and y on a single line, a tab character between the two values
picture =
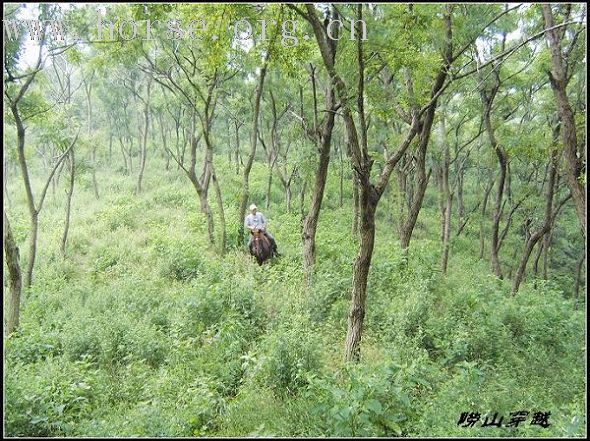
144	329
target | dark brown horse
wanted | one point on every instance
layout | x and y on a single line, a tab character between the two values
260	246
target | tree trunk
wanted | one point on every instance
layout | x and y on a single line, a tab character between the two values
460	201
355	207
368	194
546	247
288	196
537	258
143	151
448	202
69	192
422	179
33	215
534	238
221	211
237	150
362	264
502	160
206	210
164	141
310	223
14	276
130	153
253	141
88	89
482	220
5	179
28	281
559	80
202	185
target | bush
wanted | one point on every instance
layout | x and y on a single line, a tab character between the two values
81	342
31	344
62	395
181	261
123	342
121	214
289	354
363	400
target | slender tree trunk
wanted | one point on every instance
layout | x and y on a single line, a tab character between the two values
123	153
559	80
206	209
362	264
460	201
28	281
448	202
441	199
202	185
368	194
253	141
503	161
69	192
164	141
288	196
537	258
20	134
546	247
355	207
11	253
221	211
130	153
483	219
237	150
422	179
88	88
311	220
5	180
33	215
535	237
143	151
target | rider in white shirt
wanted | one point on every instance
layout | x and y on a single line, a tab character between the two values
256	221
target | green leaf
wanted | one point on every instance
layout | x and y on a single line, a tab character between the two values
375	406
393	426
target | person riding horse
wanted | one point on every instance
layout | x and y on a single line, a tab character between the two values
256	221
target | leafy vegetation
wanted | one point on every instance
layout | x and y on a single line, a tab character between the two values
147	317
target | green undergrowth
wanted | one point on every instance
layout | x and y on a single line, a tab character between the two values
145	329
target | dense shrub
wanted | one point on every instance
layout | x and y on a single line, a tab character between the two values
31	344
144	329
62	394
362	400
289	354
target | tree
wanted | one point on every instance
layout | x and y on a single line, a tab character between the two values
15	92
12	256
369	194
560	75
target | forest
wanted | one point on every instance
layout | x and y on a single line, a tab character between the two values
421	167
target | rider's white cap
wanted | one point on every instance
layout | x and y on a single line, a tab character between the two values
252	207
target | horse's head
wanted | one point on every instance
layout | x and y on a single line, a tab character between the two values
261	247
